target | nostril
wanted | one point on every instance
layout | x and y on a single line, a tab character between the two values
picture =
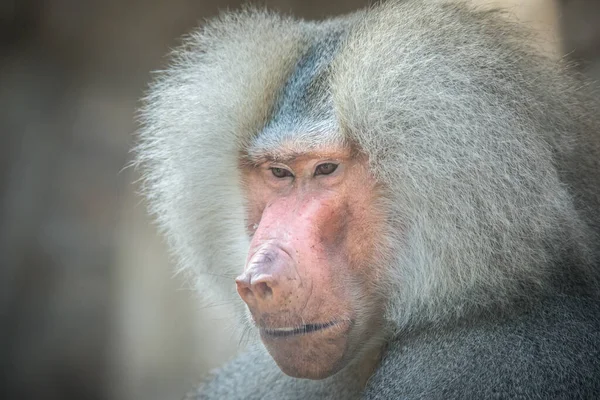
264	290
245	292
243	287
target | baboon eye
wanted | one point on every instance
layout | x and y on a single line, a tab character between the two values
281	172
326	169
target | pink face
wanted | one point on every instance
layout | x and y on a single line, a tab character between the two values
310	272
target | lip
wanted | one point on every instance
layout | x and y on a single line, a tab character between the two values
297	331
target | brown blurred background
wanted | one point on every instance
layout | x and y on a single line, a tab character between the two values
89	305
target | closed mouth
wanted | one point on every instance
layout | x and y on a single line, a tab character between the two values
296	331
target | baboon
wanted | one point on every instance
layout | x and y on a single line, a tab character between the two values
406	199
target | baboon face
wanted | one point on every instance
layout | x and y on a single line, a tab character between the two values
312	260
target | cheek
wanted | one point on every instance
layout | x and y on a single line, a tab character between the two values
255	202
363	231
365	238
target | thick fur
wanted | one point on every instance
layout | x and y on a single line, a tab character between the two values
552	352
489	159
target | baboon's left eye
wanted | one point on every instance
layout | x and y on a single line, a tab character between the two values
325	169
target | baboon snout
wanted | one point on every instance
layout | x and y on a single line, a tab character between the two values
269	280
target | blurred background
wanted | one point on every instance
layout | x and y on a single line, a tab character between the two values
89	305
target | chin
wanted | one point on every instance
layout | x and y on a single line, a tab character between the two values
316	354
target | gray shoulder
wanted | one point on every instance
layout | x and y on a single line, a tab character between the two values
551	353
254	375
245	377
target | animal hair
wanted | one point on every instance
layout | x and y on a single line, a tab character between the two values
473	159
487	153
473	156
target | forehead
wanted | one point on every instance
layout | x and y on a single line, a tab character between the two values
303	118
293	143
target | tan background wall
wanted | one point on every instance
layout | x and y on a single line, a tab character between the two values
89	305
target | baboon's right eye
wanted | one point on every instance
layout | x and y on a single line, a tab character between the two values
281	172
